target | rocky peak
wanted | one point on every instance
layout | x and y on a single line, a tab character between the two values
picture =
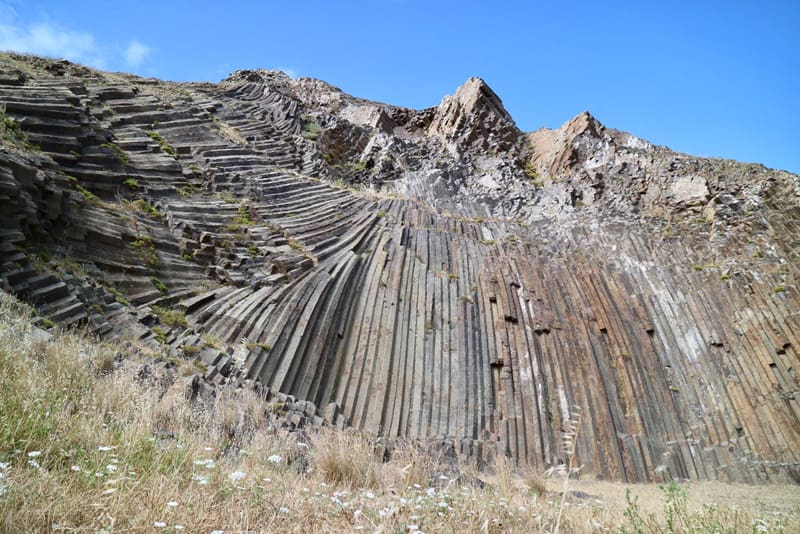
583	123
474	118
259	75
554	150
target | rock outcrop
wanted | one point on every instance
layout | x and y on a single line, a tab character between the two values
433	275
474	120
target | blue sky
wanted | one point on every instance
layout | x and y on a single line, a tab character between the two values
705	77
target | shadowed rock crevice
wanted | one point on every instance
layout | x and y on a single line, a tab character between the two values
436	274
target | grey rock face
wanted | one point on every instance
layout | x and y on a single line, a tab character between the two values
432	275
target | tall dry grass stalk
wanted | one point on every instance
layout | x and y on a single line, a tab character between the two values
569	443
345	458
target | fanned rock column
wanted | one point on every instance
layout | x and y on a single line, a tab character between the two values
485	288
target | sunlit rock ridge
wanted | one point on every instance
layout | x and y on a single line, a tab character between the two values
430	274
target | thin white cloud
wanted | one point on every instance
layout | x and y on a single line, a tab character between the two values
136	53
52	40
47	39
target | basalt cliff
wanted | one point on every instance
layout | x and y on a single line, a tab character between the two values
433	275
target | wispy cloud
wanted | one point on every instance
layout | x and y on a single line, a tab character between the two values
136	53
48	39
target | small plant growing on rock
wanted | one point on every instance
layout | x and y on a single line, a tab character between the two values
210	340
243	218
142	206
117	295
160	334
146	249
190	351
163	144
10	132
312	131
188	190
161	286
121	155
88	196
170	317
533	173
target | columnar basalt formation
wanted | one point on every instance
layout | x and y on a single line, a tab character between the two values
434	275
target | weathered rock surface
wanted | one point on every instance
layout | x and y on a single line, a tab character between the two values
436	274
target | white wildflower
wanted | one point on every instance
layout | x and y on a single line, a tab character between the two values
388	511
34	454
111	468
208	463
104	448
275	459
369	495
75	468
98	474
284	510
179	527
34	464
159	524
172	504
236	475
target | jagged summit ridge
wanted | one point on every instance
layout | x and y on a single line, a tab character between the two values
473	115
457	288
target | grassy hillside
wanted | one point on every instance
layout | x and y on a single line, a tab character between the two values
100	438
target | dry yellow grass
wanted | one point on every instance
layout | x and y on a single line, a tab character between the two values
87	449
